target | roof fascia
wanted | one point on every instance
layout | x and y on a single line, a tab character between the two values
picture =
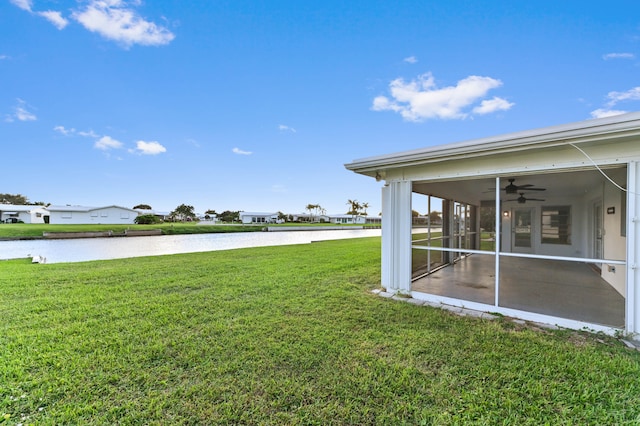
617	127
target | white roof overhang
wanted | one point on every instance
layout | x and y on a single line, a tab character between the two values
618	128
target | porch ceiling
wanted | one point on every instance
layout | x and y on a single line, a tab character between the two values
557	185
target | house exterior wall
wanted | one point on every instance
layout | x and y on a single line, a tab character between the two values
614	242
348	219
249	218
34	216
112	215
24	213
578	221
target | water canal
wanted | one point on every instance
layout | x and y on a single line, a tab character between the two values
86	249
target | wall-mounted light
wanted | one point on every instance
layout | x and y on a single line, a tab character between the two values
505	213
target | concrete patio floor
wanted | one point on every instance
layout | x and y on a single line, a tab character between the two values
563	289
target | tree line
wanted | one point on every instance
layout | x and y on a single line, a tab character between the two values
186	212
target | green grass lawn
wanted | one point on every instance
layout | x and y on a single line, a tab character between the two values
21	230
282	335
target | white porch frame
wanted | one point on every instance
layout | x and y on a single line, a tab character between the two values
611	142
397	254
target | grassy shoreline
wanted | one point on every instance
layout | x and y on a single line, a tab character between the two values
18	231
293	336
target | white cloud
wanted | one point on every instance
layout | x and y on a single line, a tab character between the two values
488	106
23	4
72	132
64	131
106	143
52	16
149	148
284	128
601	113
21	113
613	99
2	57
241	152
55	18
411	60
88	134
114	20
280	189
421	99
618	56
629	95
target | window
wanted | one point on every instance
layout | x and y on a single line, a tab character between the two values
556	225
66	215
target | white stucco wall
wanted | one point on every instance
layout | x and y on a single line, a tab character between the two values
106	215
614	243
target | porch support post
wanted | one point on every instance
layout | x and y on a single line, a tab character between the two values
396	237
498	243
633	238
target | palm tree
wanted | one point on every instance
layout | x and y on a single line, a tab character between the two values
354	207
311	208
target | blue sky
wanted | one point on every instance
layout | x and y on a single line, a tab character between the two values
257	105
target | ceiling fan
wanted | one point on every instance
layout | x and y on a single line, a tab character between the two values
522	199
512	188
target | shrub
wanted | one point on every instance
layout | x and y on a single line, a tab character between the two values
147	219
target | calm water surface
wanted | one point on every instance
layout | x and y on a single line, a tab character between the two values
80	250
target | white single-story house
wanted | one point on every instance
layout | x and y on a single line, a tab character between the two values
308	217
541	225
76	215
373	220
23	213
258	218
347	219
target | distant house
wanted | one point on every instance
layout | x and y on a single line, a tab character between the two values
307	217
347	219
541	225
373	220
76	215
12	213
258	218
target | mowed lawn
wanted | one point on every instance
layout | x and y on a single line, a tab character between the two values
283	335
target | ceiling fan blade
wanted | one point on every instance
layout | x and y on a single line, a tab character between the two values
512	188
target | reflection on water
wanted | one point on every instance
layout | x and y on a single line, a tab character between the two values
79	250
